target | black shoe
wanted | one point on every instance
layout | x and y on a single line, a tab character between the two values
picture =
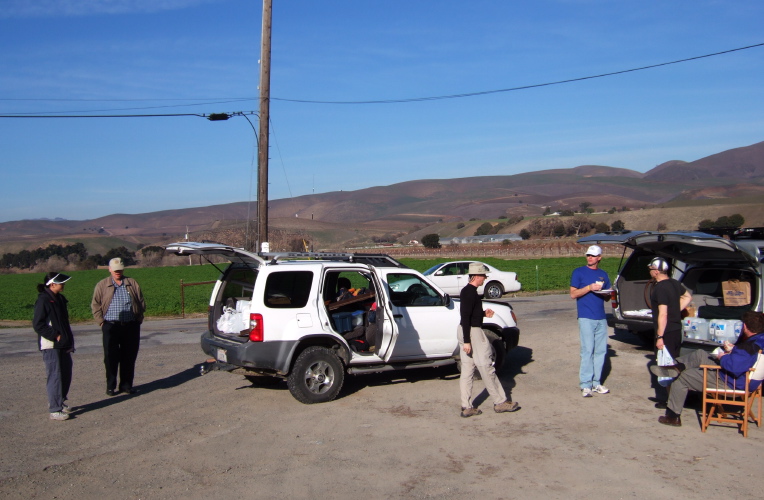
111	392
129	391
674	421
661	405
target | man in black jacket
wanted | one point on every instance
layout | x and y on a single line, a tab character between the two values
475	351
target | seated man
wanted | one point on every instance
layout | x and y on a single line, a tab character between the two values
735	361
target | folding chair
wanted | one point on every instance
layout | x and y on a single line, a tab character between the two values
722	403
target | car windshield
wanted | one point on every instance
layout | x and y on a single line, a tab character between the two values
432	269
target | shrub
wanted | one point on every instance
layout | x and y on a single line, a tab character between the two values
431	240
485	228
601	227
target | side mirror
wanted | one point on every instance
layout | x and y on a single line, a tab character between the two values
438	273
446	299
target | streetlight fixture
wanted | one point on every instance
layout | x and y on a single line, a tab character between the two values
261	200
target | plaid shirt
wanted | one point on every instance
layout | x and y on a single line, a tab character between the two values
120	308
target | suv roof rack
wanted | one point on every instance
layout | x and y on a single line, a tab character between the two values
374	259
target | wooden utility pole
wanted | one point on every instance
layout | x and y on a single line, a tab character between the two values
262	153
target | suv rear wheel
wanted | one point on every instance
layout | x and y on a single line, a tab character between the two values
317	376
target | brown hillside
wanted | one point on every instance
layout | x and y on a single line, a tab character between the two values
403	207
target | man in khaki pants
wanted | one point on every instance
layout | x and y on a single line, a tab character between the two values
475	352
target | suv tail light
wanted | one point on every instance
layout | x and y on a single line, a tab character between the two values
256	325
614	299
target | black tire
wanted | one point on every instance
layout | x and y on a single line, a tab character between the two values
317	376
493	290
499	348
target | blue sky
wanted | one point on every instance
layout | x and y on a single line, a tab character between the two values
201	56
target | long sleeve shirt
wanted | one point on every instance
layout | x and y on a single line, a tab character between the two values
471	310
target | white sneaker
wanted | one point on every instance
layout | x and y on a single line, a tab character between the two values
586	392
66	409
601	389
59	415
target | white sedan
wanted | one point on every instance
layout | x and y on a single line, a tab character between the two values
451	277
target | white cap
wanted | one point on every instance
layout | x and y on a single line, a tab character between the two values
116	264
594	250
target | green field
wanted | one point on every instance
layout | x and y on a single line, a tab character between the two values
161	285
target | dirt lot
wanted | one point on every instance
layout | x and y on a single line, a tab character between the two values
387	436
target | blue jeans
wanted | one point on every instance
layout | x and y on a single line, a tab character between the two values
593	334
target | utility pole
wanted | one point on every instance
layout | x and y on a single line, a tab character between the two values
262	153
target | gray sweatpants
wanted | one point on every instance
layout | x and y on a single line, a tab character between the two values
58	367
691	378
481	359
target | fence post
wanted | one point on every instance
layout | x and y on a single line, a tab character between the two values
182	300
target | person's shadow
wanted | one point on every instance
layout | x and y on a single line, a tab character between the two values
164	383
514	362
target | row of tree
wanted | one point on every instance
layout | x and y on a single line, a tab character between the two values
75	254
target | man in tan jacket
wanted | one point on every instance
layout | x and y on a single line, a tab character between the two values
118	306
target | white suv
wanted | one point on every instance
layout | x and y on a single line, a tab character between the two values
311	321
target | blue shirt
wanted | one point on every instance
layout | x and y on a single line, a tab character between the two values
591	305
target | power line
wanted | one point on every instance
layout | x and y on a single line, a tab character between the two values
201	115
222	100
524	87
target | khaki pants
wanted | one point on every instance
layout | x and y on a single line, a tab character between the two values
481	359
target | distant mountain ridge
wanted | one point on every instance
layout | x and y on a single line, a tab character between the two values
736	172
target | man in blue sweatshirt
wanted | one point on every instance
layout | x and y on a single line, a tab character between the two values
734	361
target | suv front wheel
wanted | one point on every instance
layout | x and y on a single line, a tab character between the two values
317	376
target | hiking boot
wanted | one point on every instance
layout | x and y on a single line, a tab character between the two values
59	415
586	392
601	389
468	412
672	421
506	406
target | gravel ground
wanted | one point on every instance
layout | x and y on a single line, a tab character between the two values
387	436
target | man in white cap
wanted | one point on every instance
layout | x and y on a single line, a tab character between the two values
118	306
475	351
586	285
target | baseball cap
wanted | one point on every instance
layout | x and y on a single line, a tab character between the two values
116	264
594	250
659	264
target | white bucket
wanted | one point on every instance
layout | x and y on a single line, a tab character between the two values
726	330
696	328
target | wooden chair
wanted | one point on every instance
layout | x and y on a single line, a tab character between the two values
722	403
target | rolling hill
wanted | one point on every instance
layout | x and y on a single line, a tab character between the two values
734	174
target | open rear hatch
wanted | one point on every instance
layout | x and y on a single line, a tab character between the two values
691	247
231	296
